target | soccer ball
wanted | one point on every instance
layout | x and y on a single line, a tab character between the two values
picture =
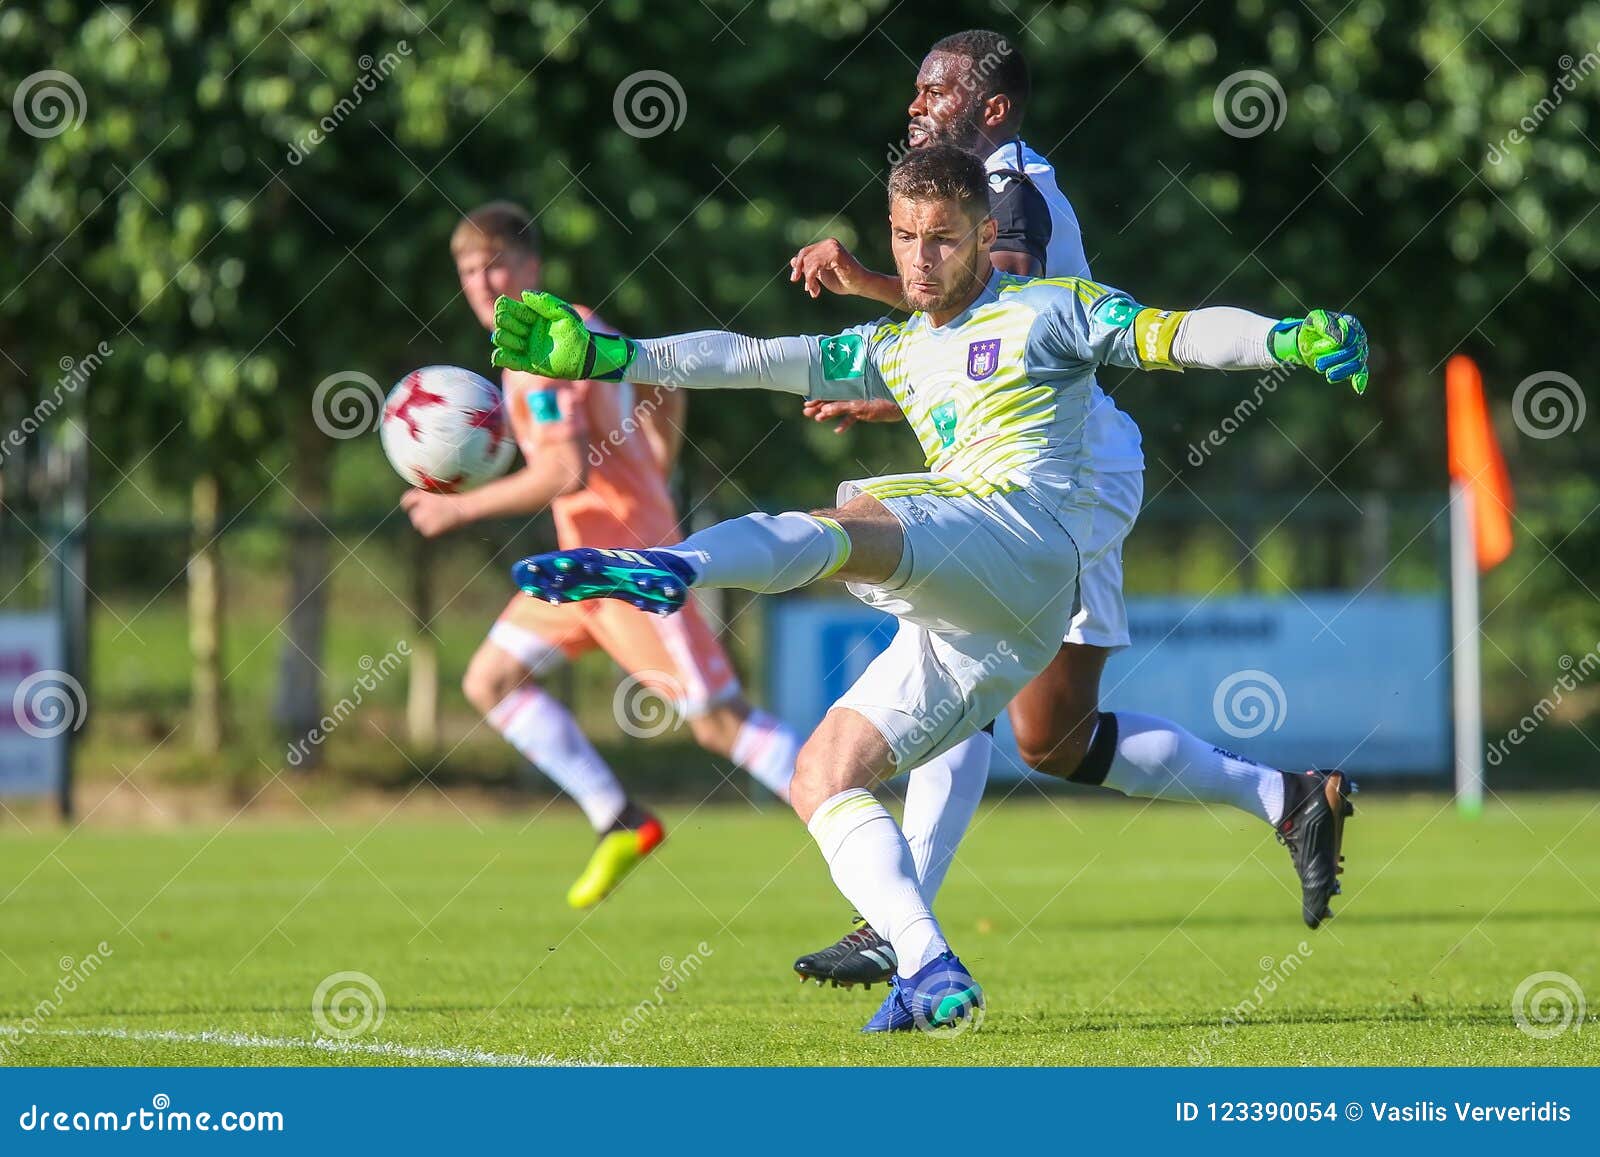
444	429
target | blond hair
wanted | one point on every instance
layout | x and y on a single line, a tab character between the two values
499	227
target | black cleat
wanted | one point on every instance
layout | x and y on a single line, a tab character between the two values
1314	809
860	956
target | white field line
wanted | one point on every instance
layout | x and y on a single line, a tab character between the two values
240	1040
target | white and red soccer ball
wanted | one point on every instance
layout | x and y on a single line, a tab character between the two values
445	429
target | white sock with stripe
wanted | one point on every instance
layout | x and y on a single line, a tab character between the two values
765	747
1156	759
871	865
765	552
545	732
941	797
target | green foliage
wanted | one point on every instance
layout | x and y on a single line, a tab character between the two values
196	219
259	195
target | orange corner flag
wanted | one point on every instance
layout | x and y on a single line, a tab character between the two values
1476	461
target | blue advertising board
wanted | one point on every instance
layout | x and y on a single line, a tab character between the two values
1311	680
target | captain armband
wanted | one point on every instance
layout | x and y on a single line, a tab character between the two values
1154	331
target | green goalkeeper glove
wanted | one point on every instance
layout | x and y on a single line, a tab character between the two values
1333	344
541	334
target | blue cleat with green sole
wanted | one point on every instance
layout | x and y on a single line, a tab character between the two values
652	580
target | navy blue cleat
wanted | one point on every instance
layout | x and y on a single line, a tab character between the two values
652	580
939	996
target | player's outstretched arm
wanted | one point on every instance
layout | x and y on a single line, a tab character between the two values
1097	324
1332	344
542	334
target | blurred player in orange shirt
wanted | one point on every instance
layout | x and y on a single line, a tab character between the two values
598	455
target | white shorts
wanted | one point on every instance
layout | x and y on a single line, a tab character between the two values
1102	618
984	590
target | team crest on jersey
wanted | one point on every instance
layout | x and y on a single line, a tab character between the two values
1116	312
983	358
843	357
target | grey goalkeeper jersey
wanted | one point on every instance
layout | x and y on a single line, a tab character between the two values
1002	396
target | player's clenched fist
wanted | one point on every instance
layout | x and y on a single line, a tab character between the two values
432	514
1333	344
541	334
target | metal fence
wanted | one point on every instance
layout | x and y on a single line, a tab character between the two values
130	622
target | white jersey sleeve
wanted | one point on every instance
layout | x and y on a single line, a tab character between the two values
839	367
1098	325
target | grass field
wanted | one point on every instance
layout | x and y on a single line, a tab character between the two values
1103	933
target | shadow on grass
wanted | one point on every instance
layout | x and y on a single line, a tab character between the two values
1355	919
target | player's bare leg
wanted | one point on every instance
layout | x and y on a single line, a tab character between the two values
751	739
1054	717
1061	731
507	694
1053	720
942	796
865	849
717	728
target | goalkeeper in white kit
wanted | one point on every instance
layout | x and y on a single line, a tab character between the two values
977	558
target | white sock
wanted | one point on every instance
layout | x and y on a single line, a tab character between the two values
765	552
871	864
941	798
544	731
766	747
1156	759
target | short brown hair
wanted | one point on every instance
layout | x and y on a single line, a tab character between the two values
498	226
942	173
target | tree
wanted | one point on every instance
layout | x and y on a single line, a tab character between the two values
258	196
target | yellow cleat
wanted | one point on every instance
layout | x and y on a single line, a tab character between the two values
618	854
